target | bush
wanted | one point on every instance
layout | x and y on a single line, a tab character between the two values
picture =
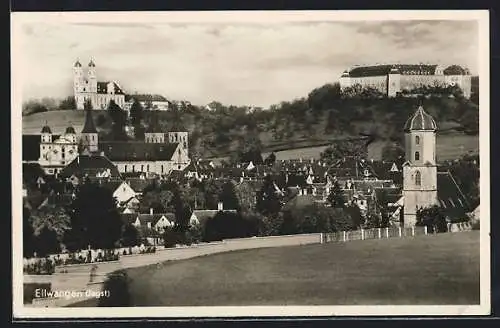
117	285
226	225
476	225
41	266
433	218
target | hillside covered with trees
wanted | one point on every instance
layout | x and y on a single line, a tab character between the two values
324	115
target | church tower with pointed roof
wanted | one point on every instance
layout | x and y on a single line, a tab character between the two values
420	168
89	137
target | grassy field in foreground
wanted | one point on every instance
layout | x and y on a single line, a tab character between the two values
425	270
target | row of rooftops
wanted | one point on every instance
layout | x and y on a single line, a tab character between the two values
450	197
403	69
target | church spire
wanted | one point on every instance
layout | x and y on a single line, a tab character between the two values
89	126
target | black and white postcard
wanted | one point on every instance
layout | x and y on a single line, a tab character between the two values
250	164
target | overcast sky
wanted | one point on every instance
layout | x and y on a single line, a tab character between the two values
240	64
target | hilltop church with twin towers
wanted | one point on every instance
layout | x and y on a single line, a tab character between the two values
86	87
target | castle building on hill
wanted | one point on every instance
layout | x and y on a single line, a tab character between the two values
87	88
399	79
420	185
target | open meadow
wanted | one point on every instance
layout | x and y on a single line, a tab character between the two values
426	270
449	146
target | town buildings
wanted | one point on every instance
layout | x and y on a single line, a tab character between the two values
159	156
396	79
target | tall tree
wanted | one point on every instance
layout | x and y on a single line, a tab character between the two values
95	220
325	97
344	148
87	105
433	218
213	189
270	160
228	196
250	147
182	209
28	234
393	152
53	217
136	113
119	118
130	236
268	198
67	103
246	196
335	197
47	242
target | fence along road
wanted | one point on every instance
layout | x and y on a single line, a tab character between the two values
92	275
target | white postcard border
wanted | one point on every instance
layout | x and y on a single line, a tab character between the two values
20	311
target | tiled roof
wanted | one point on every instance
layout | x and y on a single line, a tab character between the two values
380	70
141	97
202	166
153	218
153	128
383	170
138	185
420	121
351	167
391	194
128	218
102	88
31	147
89	126
299	201
204	215
455	70
31	173
451	199
111	185
91	165
46	129
138	151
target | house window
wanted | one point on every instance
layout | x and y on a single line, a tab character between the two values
417	156
142	167
417	140
162	169
418	178
125	167
147	167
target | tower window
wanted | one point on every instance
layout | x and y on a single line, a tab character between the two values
417	140
418	178
417	156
